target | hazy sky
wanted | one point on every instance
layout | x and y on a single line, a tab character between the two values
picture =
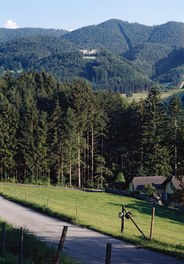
73	14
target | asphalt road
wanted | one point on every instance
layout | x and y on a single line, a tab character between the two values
86	246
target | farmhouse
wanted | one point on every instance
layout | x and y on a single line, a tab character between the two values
89	51
89	54
164	186
173	183
138	183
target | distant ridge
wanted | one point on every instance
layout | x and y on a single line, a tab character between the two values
130	56
119	36
9	34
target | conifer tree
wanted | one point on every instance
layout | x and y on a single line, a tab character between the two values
79	100
175	134
70	144
8	127
56	143
155	155
130	140
41	146
27	147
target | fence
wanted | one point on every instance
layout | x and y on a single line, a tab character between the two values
60	246
173	233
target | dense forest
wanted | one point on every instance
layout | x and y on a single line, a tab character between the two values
130	57
66	133
11	34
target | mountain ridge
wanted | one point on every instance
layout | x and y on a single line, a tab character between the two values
150	51
7	34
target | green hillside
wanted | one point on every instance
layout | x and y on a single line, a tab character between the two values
155	50
10	34
173	60
22	53
119	36
129	58
114	35
107	71
171	33
101	36
173	76
145	56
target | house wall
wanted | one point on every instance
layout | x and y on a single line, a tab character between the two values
168	188
131	187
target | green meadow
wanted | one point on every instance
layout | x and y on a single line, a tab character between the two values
99	211
143	95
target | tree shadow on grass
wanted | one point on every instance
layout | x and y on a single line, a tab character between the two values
160	211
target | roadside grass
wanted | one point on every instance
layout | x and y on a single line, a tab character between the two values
34	250
99	211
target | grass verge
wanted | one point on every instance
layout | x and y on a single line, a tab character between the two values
34	250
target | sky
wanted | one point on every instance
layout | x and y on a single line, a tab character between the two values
74	14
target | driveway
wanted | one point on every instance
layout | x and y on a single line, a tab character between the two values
86	246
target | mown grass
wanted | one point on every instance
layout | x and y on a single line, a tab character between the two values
99	211
34	251
138	96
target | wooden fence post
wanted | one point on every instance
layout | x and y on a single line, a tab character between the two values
108	253
152	223
60	246
3	238
21	247
123	219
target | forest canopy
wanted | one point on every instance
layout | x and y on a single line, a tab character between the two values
66	133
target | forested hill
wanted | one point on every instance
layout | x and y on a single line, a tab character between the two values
106	72
149	47
119	36
22	53
129	57
10	34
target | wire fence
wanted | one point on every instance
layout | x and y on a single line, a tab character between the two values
55	243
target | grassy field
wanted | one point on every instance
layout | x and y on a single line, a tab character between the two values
99	211
138	96
43	254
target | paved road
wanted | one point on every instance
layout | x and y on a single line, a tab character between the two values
84	245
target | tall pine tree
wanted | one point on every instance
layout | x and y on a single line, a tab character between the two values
155	155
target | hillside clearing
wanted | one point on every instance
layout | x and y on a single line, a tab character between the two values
142	96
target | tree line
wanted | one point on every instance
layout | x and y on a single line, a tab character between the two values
66	133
